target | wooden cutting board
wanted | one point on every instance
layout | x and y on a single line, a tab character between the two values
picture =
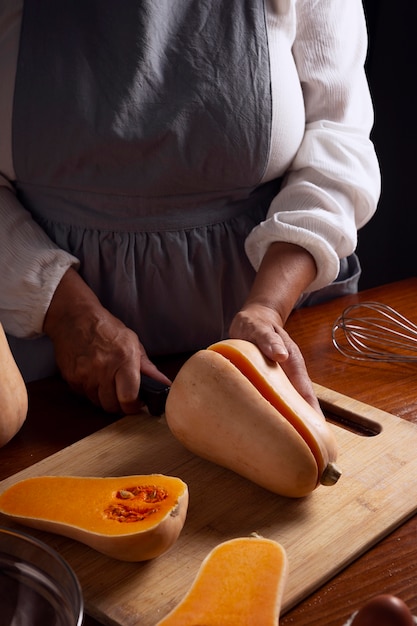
322	533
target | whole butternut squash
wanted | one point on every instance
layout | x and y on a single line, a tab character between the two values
130	518
232	406
239	583
13	393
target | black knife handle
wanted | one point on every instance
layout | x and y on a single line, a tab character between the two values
154	394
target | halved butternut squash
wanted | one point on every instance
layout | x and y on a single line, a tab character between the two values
130	518
232	406
239	583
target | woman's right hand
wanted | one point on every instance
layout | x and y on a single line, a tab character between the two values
95	352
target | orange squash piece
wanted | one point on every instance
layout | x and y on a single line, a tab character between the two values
13	393
239	583
130	518
232	406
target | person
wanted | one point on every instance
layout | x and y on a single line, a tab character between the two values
173	173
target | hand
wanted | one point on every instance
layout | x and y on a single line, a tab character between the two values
286	270
262	326
95	352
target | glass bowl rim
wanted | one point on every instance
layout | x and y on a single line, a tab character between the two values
38	543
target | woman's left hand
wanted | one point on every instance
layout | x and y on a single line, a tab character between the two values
286	270
263	326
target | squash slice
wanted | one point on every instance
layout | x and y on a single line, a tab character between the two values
130	518
239	583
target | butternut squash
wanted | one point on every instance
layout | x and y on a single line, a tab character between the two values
13	393
130	518
239	583
232	406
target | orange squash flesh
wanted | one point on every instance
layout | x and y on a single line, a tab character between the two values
270	380
239	583
131	518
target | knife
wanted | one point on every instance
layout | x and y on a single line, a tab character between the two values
153	394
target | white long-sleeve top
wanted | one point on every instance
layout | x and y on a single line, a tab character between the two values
321	121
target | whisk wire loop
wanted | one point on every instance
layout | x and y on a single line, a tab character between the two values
375	331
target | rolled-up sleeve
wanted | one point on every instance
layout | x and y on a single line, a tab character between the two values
333	184
31	268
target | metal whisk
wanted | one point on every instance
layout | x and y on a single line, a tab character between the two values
376	332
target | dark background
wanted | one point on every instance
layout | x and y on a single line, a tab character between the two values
387	245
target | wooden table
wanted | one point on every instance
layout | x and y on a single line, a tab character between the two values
57	418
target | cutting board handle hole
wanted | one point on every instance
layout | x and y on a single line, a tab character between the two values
354	423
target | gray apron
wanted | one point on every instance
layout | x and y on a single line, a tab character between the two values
141	133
